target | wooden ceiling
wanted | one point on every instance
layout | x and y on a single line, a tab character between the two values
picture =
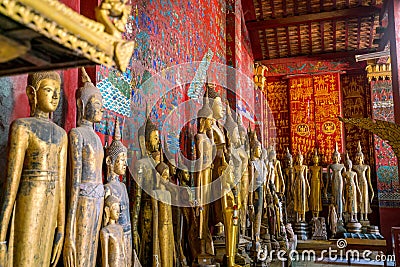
291	28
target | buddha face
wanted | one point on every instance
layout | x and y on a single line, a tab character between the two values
300	159
120	164
94	108
48	95
114	211
154	141
207	122
243	136
315	159
289	161
359	159
165	175
217	108
336	157
185	176
257	152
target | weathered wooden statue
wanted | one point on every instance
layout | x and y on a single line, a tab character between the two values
316	185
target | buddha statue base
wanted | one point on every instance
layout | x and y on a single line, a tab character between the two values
301	230
318	229
340	229
364	225
354	227
205	260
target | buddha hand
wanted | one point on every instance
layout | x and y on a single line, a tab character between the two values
57	248
69	253
3	254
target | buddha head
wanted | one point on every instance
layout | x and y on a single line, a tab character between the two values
152	137
288	158
116	153
256	149
232	129
348	163
336	154
112	209
205	117
300	158
43	90
315	157
89	101
216	103
359	155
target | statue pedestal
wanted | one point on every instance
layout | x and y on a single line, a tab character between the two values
354	227
373	230
364	227
318	229
340	229
205	260
301	230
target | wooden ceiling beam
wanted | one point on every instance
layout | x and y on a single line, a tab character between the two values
321	29
277	42
308	18
299	38
288	41
359	33
250	14
249	10
310	37
334	35
272	7
346	34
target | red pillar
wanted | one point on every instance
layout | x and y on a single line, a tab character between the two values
70	79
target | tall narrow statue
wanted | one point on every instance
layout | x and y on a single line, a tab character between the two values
288	172
203	178
301	189
112	236
364	182
87	190
335	177
352	191
276	175
316	186
258	173
163	232
116	155
33	203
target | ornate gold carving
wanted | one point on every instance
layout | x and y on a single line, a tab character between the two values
384	129
70	29
10	49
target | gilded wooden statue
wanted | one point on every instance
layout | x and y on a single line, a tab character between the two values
163	232
288	173
203	144
112	235
275	173
33	203
352	191
335	177
87	190
142	213
301	189
116	155
364	183
316	184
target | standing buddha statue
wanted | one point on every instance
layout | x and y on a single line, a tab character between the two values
33	203
364	181
316	186
204	252
87	190
352	191
116	155
276	175
301	188
335	177
112	236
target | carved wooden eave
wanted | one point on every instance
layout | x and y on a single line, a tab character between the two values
379	71
46	34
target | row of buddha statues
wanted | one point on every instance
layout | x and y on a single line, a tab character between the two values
55	203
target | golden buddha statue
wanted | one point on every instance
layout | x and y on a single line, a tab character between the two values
244	181
33	203
275	172
231	177
112	236
257	173
87	190
116	155
337	182
144	174
316	184
352	191
203	145
301	189
288	173
364	181
163	233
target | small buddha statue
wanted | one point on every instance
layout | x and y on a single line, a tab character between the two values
116	155
335	177
316	184
112	236
364	182
276	175
33	203
87	190
301	188
288	172
163	233
352	191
